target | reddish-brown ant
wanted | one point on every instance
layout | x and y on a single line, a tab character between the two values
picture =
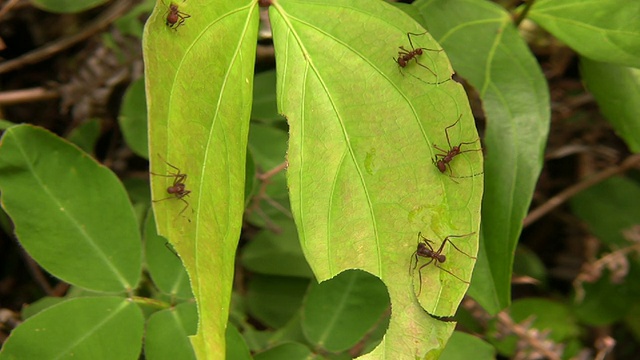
405	55
435	256
443	159
178	189
175	17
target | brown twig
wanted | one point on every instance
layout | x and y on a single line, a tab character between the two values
7	7
565	195
107	17
27	95
269	174
533	342
265	180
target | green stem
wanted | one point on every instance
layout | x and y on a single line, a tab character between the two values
523	13
160	305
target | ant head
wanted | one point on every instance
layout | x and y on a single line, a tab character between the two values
442	258
418	51
441	166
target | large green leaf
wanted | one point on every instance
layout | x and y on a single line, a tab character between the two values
487	51
82	328
361	179
603	30
199	84
70	213
617	91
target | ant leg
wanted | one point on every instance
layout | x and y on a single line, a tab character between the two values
164	175
404	51
420	34
454	245
445	152
450	273
426	67
167	198
174	167
470	150
414	34
420	275
414	256
446	130
185	207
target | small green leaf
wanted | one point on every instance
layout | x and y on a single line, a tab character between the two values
605	302
236	347
164	266
71	214
274	300
291	332
617	91
609	208
132	23
133	119
463	346
199	89
86	135
5	124
289	351
603	30
486	49
276	254
264	97
168	331
43	303
82	328
549	314
140	195
528	263
67	6
268	146
339	312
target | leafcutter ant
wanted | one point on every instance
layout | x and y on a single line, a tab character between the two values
425	250
175	17
443	159
178	189
404	56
